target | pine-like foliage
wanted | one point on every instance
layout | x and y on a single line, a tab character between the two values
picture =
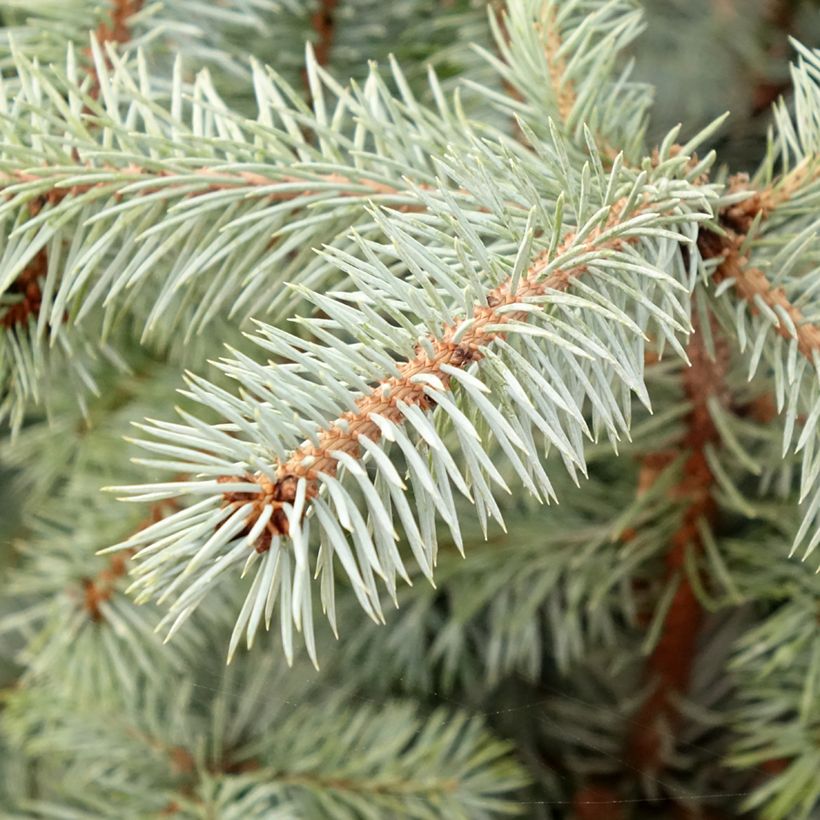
450	356
227	749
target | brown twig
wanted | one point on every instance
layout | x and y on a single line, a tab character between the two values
562	88
323	22
342	435
58	191
749	282
113	29
100	588
779	18
670	664
597	802
116	28
27	287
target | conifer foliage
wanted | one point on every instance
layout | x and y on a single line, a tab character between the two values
472	426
